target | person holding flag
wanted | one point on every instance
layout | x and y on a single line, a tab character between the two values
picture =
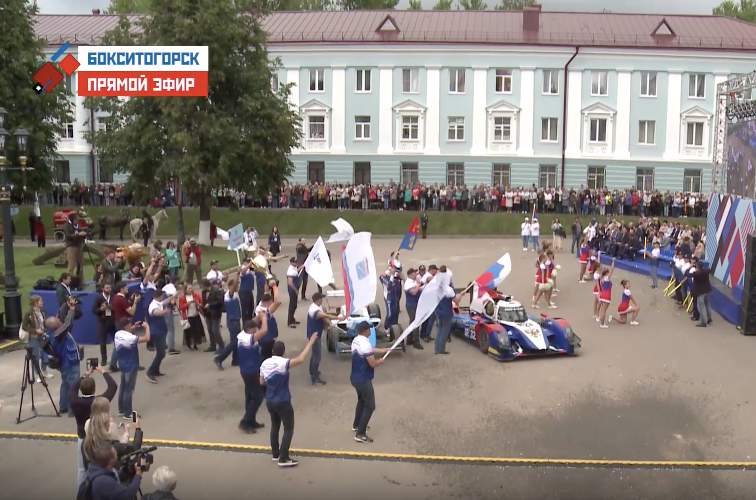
413	289
392	285
445	310
535	230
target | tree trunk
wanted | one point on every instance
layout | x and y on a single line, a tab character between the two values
181	230
203	236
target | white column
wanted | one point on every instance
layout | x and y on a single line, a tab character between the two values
527	110
624	91
674	96
292	76
574	118
433	102
338	109
81	125
480	99
385	106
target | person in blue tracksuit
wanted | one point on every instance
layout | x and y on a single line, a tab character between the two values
64	345
445	315
392	285
233	323
250	360
269	305
247	279
127	345
315	325
156	314
361	378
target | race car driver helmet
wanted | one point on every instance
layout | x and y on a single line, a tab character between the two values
396	265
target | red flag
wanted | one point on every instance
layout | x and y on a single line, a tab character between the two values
414	227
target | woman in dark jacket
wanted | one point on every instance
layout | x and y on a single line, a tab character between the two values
274	242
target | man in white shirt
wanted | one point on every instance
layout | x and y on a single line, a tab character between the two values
535	232
590	231
156	313
292	285
215	276
412	291
525	233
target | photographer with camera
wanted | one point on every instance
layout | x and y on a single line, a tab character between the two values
104	481
123	308
63	346
74	238
127	347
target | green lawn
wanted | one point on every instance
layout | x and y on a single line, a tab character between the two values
317	222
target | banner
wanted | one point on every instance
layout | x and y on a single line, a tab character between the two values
360	275
235	237
430	297
344	231
495	274
318	264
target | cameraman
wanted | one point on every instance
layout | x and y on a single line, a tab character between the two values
74	238
67	350
104	480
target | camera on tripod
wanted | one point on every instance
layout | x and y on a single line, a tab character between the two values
128	463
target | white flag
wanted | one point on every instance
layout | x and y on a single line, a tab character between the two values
222	234
344	231
318	265
360	275
430	297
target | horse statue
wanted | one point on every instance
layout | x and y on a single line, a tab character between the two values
136	225
113	222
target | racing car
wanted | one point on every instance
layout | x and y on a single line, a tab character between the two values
340	334
502	328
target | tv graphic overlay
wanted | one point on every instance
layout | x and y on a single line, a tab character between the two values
48	76
741	159
143	71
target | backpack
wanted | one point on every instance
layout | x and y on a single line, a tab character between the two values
85	490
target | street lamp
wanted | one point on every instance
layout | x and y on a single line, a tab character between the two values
11	298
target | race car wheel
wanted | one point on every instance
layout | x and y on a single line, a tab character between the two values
374	311
483	342
331	339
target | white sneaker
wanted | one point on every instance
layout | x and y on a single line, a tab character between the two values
39	381
47	374
609	320
603	326
524	249
581	281
552	306
634	323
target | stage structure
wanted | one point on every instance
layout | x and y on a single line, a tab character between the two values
736	102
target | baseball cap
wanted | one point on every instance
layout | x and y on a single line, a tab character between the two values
317	296
213	262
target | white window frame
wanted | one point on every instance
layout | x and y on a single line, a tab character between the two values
409	173
696	116
410	109
69	132
694	81
410	81
643	132
503	81
598	122
363	81
641	179
101	125
649	79
457	80
691	129
314	120
503	109
596	178
550	82
689	180
502	126
599	83
499	173
317	80
456	129
410	123
453	169
362	128
547	173
314	109
275	84
552	122
592	146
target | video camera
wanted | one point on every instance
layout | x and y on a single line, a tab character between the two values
128	463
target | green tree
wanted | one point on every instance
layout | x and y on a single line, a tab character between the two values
238	137
745	10
606	11
443	5
472	5
42	115
367	4
128	7
514	4
415	5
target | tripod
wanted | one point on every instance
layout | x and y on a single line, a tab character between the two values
30	367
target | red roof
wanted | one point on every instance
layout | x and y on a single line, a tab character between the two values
463	27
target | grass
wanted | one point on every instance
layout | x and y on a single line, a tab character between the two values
30	274
318	222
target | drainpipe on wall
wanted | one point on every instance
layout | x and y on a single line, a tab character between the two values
564	110
95	180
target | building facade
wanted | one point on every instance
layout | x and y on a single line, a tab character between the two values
514	99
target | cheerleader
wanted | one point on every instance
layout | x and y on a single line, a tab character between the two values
605	295
551	275
537	270
584	253
628	305
596	289
554	268
542	282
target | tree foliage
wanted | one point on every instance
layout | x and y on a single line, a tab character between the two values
443	5
415	5
514	4
472	5
238	137
143	6
745	10
42	115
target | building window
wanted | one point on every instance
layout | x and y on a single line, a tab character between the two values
502	129
363	80
69	84
456	81
598	130
316	172
455	174
694	135
362	128
549	129
547	176
692	181
410	81
317	80
101	125
361	172
316	126
503	81
648	84
67	131
62	172
550	81
104	174
410	128
274	83
647	132
596	177
456	128
501	175
599	83
410	174
644	179
697	86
